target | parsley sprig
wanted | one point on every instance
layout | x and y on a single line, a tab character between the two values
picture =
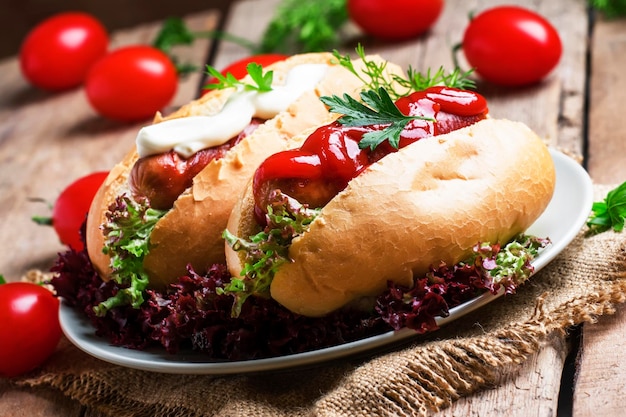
380	90
609	213
379	108
262	82
175	32
304	26
375	75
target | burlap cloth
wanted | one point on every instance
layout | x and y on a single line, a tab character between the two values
587	280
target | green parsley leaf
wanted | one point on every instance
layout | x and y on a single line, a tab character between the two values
175	32
304	26
374	76
262	82
416	81
379	109
2	280
609	213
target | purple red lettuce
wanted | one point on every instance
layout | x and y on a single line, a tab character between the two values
193	313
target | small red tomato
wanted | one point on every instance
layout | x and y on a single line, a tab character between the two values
71	208
511	46
59	51
29	324
238	68
394	19
131	83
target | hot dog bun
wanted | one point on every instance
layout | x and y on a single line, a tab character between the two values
429	202
190	233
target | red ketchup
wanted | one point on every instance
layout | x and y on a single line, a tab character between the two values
330	157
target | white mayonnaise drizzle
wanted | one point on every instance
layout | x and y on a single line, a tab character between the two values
188	135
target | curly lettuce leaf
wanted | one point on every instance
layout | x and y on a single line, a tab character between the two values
127	230
268	249
510	265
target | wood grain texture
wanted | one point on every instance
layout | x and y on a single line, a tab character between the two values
607	130
601	374
600	388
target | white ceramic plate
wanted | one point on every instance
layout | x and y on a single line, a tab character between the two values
562	220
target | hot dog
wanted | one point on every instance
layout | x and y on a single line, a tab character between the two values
450	182
190	166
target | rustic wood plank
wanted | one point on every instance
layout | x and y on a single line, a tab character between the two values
530	392
602	358
46	141
247	19
607	147
600	389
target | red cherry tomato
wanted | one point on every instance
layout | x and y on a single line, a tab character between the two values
238	68
394	19
29	324
131	83
59	51
72	206
511	46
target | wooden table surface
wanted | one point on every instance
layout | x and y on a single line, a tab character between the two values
47	140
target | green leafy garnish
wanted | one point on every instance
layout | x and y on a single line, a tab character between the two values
262	82
175	32
374	76
268	249
2	280
610	8
127	231
416	81
609	213
304	26
379	108
380	89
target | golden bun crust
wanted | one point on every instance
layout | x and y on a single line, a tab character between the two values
431	201
191	232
